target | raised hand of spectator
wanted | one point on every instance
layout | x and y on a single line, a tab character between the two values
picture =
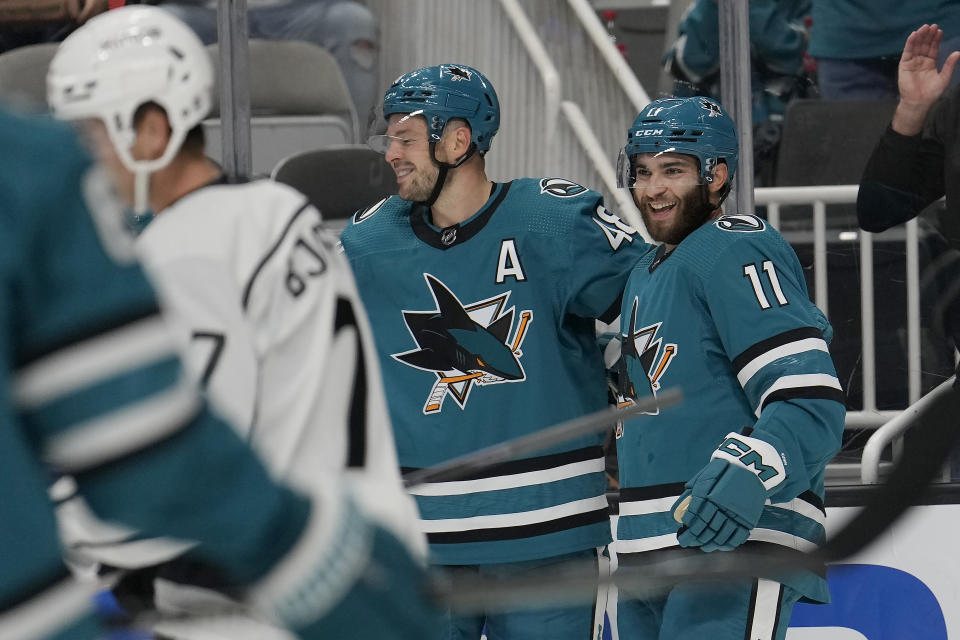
83	10
920	83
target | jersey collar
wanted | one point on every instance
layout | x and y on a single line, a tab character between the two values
458	233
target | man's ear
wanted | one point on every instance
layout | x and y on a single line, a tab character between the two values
720	176
153	135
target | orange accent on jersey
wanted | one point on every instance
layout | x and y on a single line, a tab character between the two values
469	376
521	330
668	352
433	407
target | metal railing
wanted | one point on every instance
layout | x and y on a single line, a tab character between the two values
818	197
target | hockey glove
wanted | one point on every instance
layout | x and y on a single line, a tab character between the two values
727	496
347	578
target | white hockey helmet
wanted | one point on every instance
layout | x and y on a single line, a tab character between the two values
123	59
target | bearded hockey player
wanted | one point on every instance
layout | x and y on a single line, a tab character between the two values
482	297
720	310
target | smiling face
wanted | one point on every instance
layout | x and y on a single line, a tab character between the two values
409	155
671	196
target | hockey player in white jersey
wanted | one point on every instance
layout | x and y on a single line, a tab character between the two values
92	387
266	310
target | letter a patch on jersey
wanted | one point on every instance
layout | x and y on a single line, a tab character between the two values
465	345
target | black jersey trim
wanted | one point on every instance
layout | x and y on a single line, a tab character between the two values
635	494
760	348
524	531
357	435
525	465
804	393
811	498
99	329
752	609
432	237
266	258
613	311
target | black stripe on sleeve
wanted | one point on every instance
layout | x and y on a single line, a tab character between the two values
523	531
635	494
357	437
526	465
778	340
805	393
266	258
810	497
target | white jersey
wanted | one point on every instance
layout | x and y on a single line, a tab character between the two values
275	332
272	326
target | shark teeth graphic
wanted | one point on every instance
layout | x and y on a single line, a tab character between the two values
460	347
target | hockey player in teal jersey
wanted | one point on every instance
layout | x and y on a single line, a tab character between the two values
92	388
721	311
482	297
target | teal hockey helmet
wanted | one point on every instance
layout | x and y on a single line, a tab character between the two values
695	126
447	91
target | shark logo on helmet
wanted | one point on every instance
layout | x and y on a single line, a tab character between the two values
459	74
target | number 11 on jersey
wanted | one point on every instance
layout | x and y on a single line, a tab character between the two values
750	271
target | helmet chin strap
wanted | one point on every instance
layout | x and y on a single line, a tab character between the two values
141	192
444	169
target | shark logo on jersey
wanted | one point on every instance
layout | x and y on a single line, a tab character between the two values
740	222
560	188
366	214
642	344
464	345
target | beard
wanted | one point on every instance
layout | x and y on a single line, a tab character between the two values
693	209
419	188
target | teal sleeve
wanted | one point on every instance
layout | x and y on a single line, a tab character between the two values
603	249
100	391
774	337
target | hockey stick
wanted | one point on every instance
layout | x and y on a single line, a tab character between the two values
936	428
462	466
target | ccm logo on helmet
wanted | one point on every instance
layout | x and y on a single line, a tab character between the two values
648	132
560	188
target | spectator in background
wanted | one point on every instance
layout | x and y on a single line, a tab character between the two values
347	29
31	22
778	39
917	162
909	169
857	43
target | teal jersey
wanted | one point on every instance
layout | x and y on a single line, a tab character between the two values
726	317
93	389
486	332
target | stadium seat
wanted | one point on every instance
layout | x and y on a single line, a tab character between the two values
829	141
298	97
339	180
298	101
23	76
